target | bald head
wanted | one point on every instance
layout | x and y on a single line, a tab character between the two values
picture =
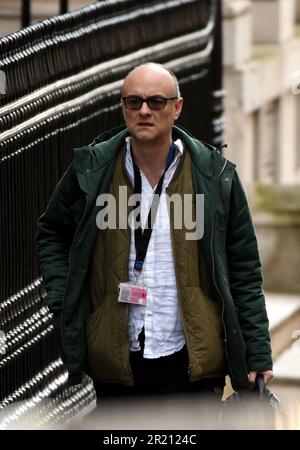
152	73
147	124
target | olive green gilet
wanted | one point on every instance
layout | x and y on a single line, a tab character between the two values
107	327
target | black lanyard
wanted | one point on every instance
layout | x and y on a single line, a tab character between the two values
142	238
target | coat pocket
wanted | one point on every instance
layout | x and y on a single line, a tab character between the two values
205	333
107	352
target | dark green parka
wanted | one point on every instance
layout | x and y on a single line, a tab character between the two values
67	232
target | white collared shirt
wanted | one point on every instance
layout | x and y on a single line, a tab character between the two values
160	317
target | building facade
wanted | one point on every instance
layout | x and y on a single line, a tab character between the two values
262	110
261	73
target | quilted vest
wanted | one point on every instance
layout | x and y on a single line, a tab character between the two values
107	327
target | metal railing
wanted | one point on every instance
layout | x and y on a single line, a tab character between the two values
63	78
26	11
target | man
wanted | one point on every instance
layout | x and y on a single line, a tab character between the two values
200	312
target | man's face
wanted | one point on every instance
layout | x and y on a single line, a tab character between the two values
145	124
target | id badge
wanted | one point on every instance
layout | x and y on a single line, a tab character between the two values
131	293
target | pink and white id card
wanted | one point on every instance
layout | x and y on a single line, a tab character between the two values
131	293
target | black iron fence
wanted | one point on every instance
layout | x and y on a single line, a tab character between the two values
63	78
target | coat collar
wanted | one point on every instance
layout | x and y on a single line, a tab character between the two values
105	147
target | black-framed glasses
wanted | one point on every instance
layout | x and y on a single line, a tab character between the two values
157	102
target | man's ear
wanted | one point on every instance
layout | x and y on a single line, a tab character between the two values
178	106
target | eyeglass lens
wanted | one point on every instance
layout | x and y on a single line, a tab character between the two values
154	102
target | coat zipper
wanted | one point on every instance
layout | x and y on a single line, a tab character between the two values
213	264
178	293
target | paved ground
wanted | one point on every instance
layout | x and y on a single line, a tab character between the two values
175	412
192	411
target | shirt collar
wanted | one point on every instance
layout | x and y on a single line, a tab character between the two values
178	143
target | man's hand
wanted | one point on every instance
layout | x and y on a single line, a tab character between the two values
268	375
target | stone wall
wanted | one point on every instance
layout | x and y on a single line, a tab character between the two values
277	222
260	72
262	110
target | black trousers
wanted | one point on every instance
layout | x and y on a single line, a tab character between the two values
161	376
